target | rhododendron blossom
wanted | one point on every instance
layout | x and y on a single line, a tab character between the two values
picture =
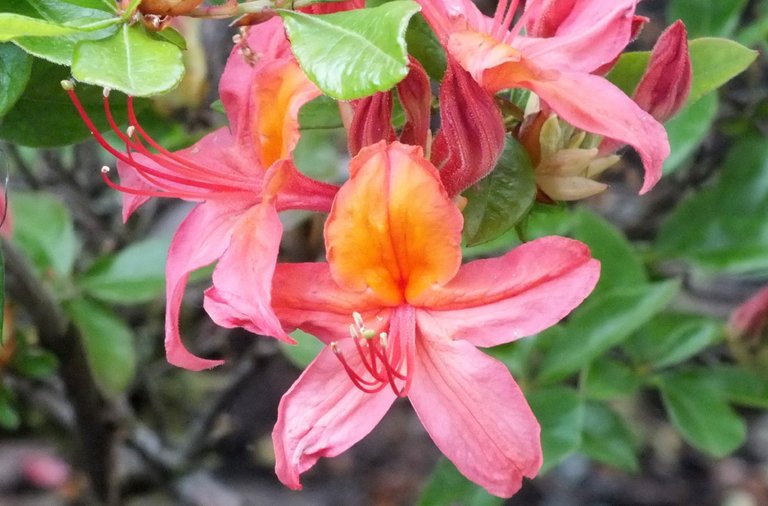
242	175
565	45
402	317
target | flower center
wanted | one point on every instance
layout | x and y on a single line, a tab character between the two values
384	359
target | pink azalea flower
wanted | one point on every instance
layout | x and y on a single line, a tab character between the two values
402	317
567	43
241	176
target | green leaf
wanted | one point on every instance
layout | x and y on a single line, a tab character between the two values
43	229
108	344
321	113
133	275
707	17
424	45
352	54
609	378
715	62
44	116
500	200
560	412
607	439
628	71
670	339
515	355
130	61
304	351
14	25
9	416
723	227
738	385
702	414
688	129
619	263
80	17
601	323
448	486
172	35
35	363
15	69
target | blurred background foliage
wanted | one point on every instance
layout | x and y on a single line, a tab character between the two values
642	395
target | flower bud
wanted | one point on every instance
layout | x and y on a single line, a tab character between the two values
665	86
415	96
372	121
747	330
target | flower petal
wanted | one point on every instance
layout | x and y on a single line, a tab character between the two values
576	36
201	238
242	282
475	413
498	300
305	296
392	227
323	414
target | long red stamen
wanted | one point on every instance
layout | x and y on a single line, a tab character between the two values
180	172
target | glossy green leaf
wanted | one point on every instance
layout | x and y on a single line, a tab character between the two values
43	228
135	274
707	17
44	116
448	486
723	227
108	344
715	62
14	25
85	19
130	61
599	324
15	69
669	339
607	438
424	45
734	383
619	263
103	5
498	202
609	378
688	129
702	414
172	35
304	351
352	54
560	412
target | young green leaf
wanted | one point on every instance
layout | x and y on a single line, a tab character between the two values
108	344
715	62
352	54
304	351
15	25
609	378
500	200
130	61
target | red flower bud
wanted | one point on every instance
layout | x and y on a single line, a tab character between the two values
416	98
471	136
372	121
665	86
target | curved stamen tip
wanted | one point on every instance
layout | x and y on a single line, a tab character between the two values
106	92
105	170
68	84
358	318
130	131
